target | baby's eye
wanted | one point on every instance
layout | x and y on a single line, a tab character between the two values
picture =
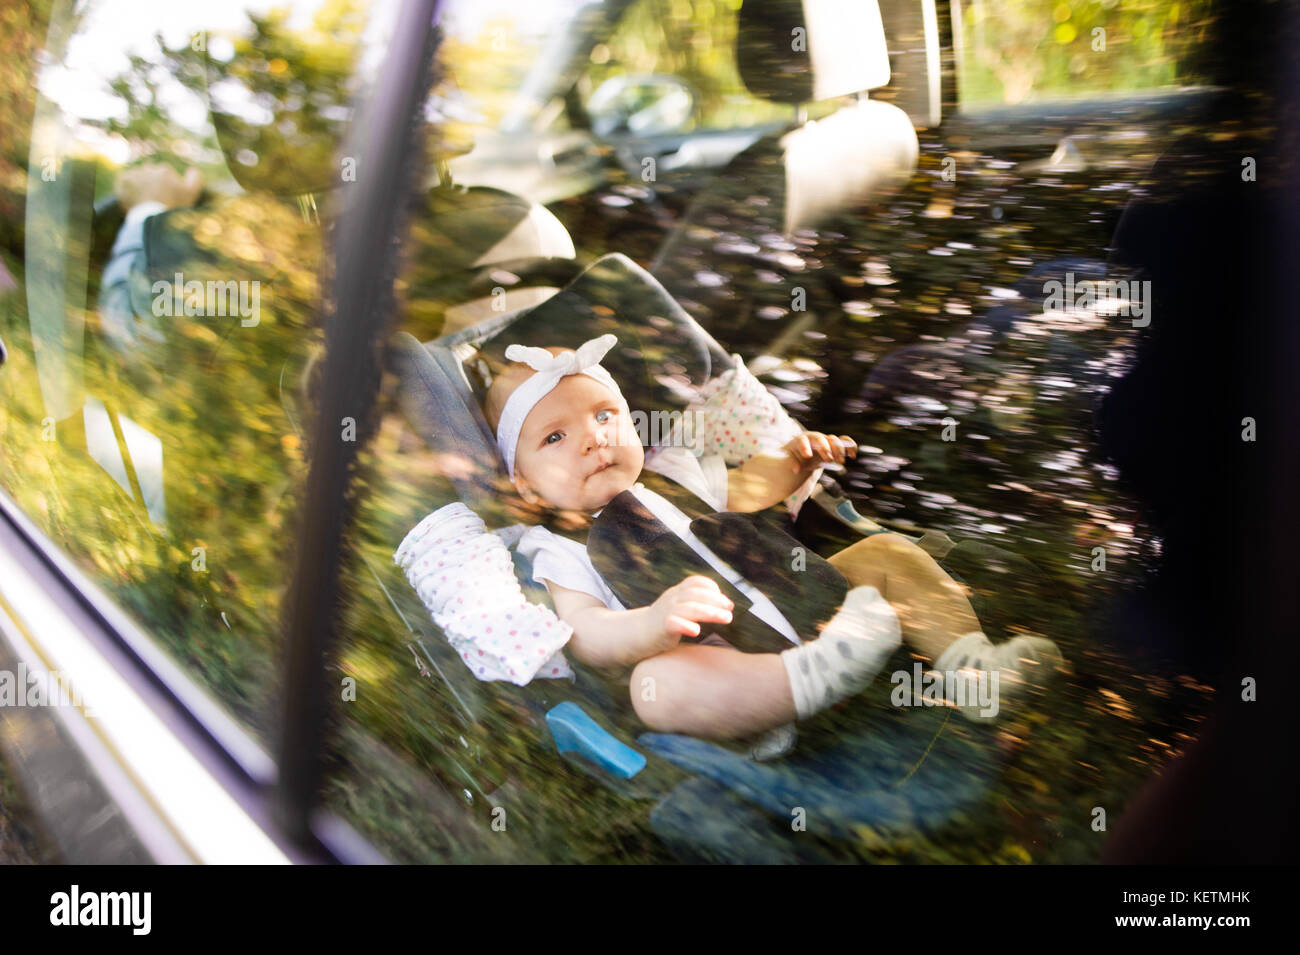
557	435
604	415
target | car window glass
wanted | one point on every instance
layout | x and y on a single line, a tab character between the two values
163	364
918	319
182	166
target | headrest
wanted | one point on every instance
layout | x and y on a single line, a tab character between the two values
479	226
463	239
800	51
864	151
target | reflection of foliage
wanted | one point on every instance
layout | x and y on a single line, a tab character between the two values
22	32
1017	51
487	69
231	459
694	40
303	80
691	40
148	127
279	104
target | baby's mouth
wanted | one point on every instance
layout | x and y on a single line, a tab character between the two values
603	467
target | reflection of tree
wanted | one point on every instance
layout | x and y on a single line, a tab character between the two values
486	70
148	127
215	392
279	104
695	41
1019	50
22	33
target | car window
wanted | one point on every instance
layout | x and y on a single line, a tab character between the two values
180	170
1011	53
163	362
918	320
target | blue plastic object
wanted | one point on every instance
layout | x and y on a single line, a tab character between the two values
574	731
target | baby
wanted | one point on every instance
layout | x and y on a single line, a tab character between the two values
566	435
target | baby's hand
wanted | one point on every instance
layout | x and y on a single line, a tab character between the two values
812	449
694	601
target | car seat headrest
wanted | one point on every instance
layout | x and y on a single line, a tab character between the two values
864	151
480	226
473	250
436	399
658	343
800	51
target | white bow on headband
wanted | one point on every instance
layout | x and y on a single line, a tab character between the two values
566	363
549	370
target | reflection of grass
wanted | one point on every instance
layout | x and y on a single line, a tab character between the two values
211	398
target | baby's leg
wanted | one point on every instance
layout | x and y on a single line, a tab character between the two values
712	692
932	607
937	621
721	693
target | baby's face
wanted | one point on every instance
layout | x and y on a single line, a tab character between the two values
578	447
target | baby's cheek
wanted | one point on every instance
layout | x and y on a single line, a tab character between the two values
561	482
626	430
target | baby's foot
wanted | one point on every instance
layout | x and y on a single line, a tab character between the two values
971	662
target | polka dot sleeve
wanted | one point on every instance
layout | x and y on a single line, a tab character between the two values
465	577
736	418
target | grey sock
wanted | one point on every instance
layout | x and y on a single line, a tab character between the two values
849	653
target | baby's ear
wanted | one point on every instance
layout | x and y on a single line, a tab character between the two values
526	492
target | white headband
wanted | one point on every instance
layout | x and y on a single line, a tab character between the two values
550	369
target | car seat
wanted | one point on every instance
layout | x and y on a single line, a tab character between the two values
888	769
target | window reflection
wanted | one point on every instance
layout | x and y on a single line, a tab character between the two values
184	161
